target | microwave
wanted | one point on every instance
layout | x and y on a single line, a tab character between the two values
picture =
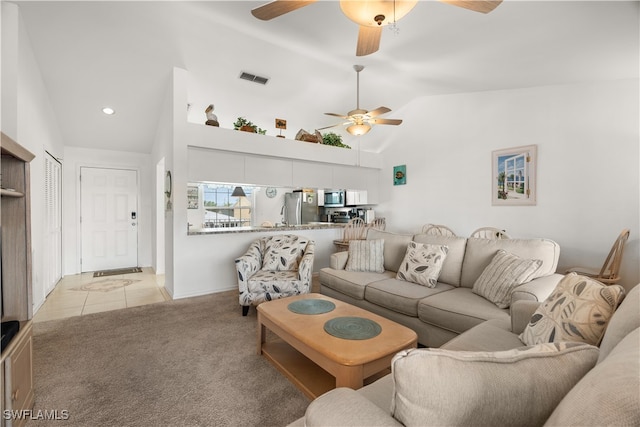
334	198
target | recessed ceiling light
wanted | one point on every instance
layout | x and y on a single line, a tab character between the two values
108	110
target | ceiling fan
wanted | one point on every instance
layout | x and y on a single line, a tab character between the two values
371	15
359	120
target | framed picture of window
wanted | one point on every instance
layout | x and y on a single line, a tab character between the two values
192	197
513	174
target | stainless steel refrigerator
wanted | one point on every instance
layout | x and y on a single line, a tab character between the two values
300	207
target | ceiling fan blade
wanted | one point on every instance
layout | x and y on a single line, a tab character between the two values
483	6
332	126
337	115
368	40
278	7
378	111
394	122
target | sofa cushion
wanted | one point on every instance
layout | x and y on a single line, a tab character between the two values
422	264
480	252
351	283
577	310
504	273
395	246
452	267
515	387
492	335
366	255
458	309
624	320
283	253
608	395
400	296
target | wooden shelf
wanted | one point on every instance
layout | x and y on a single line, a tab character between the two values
8	193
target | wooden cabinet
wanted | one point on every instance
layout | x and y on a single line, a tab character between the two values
17	373
15	220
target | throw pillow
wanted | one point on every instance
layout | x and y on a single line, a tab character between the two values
366	255
283	253
422	264
515	387
577	310
504	273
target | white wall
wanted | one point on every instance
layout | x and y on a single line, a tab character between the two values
74	159
588	156
29	119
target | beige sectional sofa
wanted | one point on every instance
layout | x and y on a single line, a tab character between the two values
575	385
451	308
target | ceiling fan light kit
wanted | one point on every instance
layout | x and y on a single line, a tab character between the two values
376	13
358	129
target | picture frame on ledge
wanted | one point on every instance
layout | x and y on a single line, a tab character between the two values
513	174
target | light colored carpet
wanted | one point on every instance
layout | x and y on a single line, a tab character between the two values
189	362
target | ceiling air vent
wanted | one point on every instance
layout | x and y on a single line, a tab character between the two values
253	78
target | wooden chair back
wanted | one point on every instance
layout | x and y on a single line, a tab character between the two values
490	233
437	230
378	224
610	271
354	230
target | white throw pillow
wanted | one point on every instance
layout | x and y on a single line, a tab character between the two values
283	253
504	273
519	387
578	310
422	264
366	255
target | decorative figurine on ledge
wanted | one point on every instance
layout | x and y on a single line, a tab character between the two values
212	119
281	124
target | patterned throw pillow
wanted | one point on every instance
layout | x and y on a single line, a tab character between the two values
283	253
577	310
422	263
504	273
366	255
519	387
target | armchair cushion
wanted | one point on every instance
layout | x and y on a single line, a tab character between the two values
515	387
504	273
577	310
422	264
283	253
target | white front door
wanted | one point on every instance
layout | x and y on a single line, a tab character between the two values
109	218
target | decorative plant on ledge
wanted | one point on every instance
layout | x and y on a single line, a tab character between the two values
334	139
246	126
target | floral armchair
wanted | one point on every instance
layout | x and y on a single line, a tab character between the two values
274	267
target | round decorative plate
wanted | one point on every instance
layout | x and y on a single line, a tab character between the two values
352	328
311	306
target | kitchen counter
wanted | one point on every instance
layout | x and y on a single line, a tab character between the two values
230	230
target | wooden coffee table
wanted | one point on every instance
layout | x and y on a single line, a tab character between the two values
316	361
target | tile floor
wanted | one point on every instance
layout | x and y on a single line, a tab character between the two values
82	294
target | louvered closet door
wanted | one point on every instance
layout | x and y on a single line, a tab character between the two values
53	227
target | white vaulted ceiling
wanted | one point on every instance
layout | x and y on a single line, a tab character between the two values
122	54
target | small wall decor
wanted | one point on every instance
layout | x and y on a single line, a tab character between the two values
513	173
192	197
400	175
281	124
168	190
